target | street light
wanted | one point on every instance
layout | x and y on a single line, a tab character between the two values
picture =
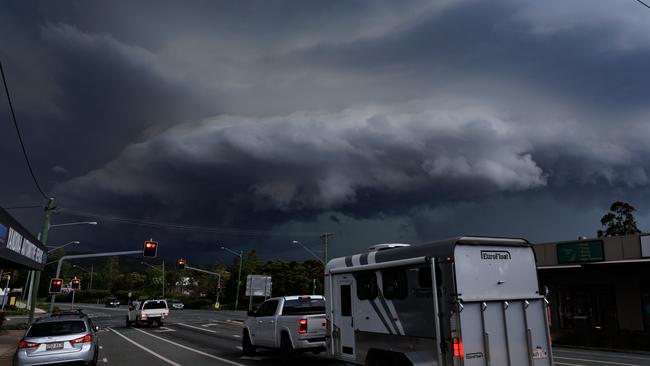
310	251
75	223
61	246
241	263
92	270
163	274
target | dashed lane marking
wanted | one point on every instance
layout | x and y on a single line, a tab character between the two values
568	364
105	360
210	325
163	330
236	335
145	348
569	352
589	360
191	349
199	328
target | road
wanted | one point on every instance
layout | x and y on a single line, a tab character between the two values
198	337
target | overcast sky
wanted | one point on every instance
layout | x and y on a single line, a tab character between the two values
380	121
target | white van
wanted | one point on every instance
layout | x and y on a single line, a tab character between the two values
381	305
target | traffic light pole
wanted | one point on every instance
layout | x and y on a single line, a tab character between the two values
81	256
208	272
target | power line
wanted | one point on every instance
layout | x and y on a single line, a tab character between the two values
644	4
185	227
20	138
21	207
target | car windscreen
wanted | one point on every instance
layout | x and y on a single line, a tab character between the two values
57	328
303	307
149	305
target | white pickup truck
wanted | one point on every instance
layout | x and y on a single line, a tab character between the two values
147	312
292	324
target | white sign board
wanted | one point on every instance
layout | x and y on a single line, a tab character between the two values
257	285
645	245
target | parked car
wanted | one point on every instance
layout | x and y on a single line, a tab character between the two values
175	305
147	312
112	302
292	324
62	337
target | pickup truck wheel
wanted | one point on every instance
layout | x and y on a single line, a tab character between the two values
286	349
247	347
159	323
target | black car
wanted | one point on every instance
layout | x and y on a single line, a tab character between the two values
112	302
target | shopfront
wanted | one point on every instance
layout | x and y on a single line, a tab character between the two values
599	291
19	249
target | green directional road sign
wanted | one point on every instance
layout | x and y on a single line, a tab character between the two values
581	251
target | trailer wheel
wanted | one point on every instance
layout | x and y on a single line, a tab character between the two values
286	349
247	347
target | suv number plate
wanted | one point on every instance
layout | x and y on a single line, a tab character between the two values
53	346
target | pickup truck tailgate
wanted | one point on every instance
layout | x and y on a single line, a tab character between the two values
316	325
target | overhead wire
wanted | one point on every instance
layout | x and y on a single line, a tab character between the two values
643	3
20	138
184	227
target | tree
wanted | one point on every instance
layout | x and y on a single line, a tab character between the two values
619	220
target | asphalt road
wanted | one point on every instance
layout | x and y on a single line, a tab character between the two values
197	337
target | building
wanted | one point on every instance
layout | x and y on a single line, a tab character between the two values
598	290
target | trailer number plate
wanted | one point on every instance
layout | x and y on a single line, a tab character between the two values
539	353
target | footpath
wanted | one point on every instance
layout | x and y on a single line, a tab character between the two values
8	342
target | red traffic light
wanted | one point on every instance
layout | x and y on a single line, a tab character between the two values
150	249
55	285
181	263
76	284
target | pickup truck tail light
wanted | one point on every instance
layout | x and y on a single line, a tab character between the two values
302	326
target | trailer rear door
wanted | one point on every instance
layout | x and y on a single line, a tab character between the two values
503	316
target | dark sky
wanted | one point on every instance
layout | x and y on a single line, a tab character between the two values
380	121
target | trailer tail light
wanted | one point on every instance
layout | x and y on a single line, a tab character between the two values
459	351
85	339
302	326
23	344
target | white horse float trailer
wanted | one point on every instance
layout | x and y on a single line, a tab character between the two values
468	301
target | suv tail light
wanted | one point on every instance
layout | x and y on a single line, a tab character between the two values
302	326
23	344
85	339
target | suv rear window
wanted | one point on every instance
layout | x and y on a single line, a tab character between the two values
154	305
303	307
57	328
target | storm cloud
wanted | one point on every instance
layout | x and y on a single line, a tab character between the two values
418	119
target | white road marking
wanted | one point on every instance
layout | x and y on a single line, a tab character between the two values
568	364
145	348
105	360
574	352
163	330
190	348
199	328
210	325
236	335
239	348
589	360
101	347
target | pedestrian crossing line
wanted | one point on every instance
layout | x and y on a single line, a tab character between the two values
589	360
199	328
191	349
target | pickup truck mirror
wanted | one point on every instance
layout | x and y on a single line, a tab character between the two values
251	313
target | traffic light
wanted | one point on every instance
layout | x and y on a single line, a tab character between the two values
181	263
55	285
150	249
76	284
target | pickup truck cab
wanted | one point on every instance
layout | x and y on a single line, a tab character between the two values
147	312
292	324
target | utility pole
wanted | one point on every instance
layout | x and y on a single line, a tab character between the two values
163	281
241	263
36	276
325	238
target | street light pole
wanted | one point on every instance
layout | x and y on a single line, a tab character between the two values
241	263
36	277
325	238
